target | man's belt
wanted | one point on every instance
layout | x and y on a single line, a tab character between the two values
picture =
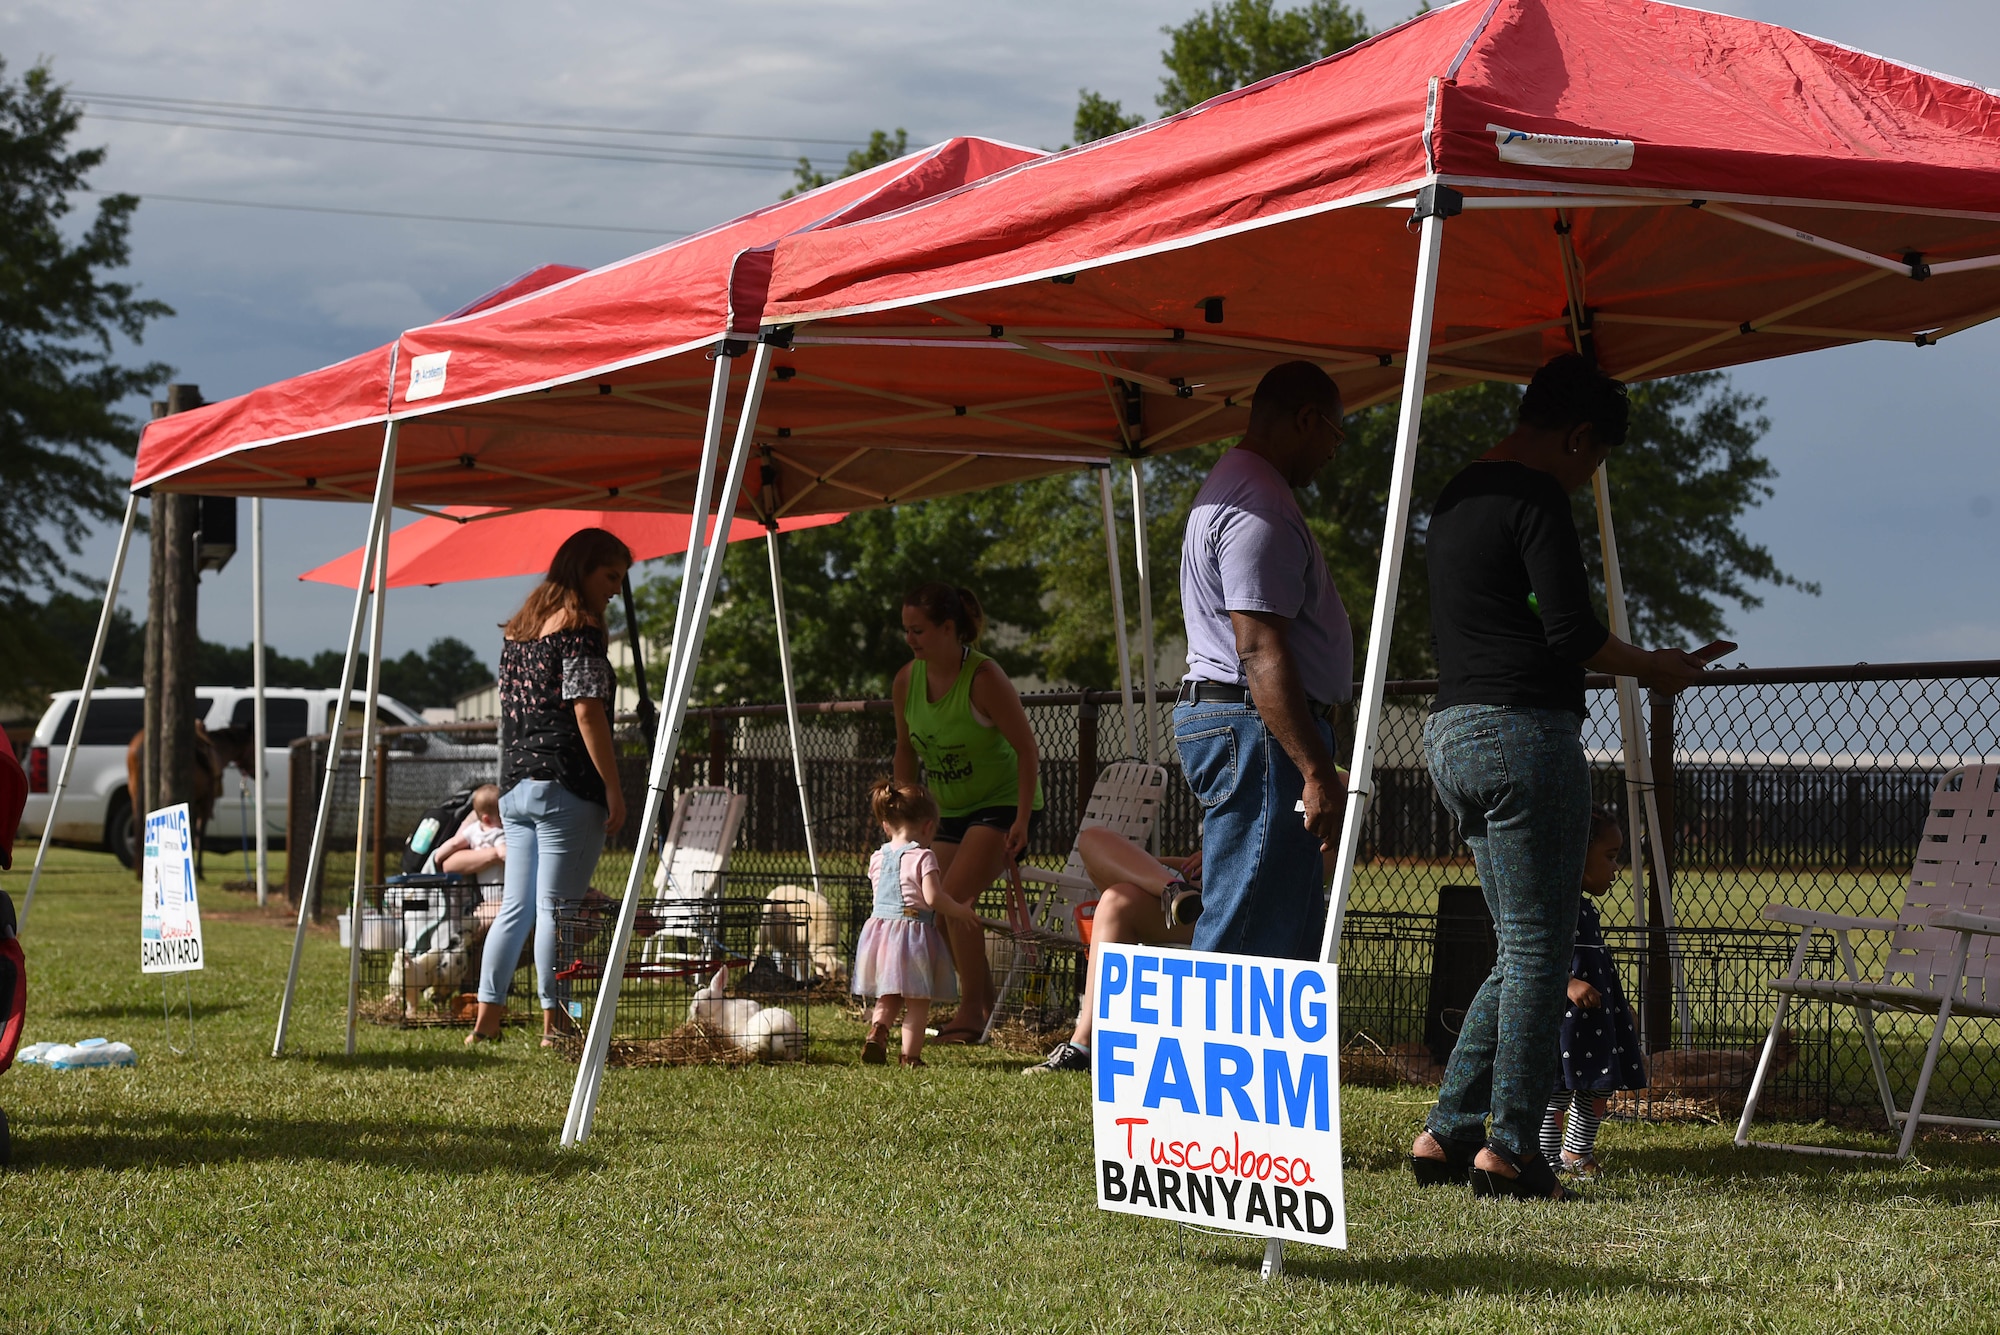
1228	693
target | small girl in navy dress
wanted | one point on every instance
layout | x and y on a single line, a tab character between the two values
902	959
1600	1044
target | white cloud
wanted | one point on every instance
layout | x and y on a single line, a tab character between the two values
262	295
382	306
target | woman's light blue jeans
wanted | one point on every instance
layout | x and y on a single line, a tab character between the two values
553	840
1518	784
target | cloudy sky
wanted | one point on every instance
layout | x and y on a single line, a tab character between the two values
1888	472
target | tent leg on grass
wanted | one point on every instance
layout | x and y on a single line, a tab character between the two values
791	701
83	706
370	714
692	564
1118	608
1434	204
680	684
1148	654
258	731
378	536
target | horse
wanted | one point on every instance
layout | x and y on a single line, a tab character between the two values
212	753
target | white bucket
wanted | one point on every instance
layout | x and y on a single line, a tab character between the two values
379	931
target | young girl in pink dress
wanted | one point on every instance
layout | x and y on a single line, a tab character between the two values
902	960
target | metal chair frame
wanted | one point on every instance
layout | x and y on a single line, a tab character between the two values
1945	942
1125	798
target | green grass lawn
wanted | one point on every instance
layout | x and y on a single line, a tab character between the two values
420	1187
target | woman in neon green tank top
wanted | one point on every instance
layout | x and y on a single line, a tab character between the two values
960	718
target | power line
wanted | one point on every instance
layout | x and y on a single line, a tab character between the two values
140	98
391	213
452	138
656	161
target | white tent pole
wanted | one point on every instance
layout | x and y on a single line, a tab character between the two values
1148	656
1641	799
588	1072
697	548
791	700
1118	608
364	791
680	682
259	734
1395	533
378	529
83	708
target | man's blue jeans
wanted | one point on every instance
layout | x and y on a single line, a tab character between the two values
553	841
1518	784
1262	884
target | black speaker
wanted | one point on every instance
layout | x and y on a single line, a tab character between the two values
1463	952
215	532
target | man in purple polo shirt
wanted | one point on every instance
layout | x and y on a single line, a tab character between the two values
1270	652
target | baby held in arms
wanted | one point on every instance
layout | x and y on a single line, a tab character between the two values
479	848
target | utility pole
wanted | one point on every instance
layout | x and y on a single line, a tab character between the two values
172	637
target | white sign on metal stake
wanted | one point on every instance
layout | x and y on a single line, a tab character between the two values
170	914
1216	1092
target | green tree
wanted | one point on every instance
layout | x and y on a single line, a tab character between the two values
435	678
1238	42
1098	117
882	147
844	587
59	380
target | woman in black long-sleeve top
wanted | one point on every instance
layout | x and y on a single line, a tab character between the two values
1515	631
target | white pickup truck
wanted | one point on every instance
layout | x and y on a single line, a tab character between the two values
97	807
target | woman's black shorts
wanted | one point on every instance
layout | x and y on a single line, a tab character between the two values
951	829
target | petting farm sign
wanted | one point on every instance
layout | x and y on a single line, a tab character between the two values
170	915
1217	1092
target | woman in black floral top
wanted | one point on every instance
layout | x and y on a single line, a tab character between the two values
559	785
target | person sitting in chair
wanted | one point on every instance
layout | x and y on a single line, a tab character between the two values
1142	900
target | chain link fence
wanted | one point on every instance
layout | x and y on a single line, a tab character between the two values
1800	786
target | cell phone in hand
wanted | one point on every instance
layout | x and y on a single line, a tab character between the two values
1715	649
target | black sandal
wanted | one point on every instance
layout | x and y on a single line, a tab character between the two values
1533	1179
1454	1170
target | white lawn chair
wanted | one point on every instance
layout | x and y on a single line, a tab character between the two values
1042	906
689	881
1944	951
1125	799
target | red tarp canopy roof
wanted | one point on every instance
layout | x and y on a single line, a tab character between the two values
1649	165
469	543
594	390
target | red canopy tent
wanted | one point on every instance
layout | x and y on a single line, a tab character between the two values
596	391
457	547
1665	189
484	420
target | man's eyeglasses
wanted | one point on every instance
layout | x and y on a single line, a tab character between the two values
1332	424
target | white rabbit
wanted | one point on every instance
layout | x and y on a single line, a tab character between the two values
774	1035
433	968
727	1017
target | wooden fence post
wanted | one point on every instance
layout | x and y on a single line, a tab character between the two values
1086	754
378	818
718	752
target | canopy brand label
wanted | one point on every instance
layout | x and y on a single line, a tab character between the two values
426	376
169	914
1216	1092
1561	150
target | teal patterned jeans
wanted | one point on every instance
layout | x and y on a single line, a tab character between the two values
1517	783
